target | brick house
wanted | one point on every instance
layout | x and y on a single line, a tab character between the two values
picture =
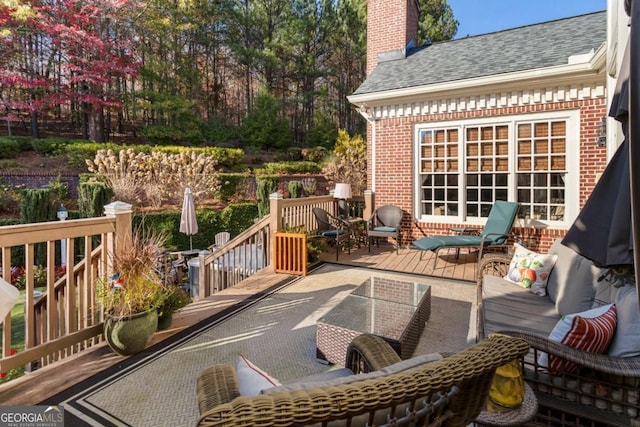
510	115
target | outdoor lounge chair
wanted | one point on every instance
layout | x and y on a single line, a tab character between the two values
333	228
376	389
220	239
385	222
495	232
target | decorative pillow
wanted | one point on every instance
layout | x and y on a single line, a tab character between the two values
251	379
590	331
530	269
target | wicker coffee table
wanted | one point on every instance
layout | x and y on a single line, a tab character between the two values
392	309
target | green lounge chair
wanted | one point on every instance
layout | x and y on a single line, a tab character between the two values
495	232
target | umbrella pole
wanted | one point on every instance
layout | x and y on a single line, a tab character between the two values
190	243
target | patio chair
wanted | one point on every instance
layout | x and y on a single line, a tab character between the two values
377	388
220	239
385	222
495	233
336	230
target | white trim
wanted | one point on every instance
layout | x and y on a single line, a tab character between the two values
502	99
572	183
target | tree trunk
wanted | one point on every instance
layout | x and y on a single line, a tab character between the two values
96	123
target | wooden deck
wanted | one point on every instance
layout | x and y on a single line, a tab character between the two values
408	261
37	386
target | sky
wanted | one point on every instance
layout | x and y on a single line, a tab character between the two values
486	16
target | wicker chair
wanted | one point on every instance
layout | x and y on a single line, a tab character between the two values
385	222
602	391
333	228
449	392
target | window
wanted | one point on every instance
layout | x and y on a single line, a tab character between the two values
465	166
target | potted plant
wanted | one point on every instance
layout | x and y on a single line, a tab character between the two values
172	299
130	297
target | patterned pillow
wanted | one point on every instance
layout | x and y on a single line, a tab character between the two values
590	331
530	269
251	379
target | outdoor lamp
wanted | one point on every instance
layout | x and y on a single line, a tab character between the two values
342	192
63	213
602	132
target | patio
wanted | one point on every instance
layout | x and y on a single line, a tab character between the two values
51	380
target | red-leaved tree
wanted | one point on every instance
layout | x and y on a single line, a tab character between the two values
71	54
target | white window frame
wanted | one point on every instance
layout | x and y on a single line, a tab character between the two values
572	175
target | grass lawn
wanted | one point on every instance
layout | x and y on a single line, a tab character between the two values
17	336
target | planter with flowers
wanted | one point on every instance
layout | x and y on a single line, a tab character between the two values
130	297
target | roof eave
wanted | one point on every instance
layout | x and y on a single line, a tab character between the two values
582	66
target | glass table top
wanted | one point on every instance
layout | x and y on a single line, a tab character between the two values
378	306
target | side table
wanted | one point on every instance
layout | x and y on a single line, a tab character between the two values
515	417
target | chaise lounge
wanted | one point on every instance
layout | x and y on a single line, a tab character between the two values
495	232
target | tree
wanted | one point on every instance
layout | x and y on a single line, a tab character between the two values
66	51
436	21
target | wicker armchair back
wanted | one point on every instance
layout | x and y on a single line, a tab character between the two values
448	392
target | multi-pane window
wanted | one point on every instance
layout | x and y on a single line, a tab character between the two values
464	168
439	163
541	166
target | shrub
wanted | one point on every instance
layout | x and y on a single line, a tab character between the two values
289	168
92	197
36	205
295	189
51	146
157	178
24	142
265	185
316	154
8	149
238	217
349	163
233	186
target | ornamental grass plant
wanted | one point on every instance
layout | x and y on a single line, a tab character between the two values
135	285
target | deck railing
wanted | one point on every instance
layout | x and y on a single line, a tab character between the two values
63	318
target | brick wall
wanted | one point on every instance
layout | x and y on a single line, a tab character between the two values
40	180
390	26
395	157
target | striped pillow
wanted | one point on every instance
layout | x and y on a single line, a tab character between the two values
591	331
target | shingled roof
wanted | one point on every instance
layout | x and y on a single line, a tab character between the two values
524	48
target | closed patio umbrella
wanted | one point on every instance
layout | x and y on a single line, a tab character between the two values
608	226
188	221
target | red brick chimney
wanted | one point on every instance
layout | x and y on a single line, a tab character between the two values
391	24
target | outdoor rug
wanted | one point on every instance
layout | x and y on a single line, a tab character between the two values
275	330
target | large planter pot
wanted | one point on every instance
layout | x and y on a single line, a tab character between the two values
164	321
130	335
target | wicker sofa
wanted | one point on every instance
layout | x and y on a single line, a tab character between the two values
382	389
604	390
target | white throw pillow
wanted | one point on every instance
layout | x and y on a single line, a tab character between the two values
530	269
251	379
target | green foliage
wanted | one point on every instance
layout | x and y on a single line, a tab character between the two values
288	168
235	218
349	163
8	149
238	217
92	197
78	152
51	146
295	189
233	186
172	299
436	21
24	143
323	133
316	154
264	127
265	185
294	154
36	205
219	130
